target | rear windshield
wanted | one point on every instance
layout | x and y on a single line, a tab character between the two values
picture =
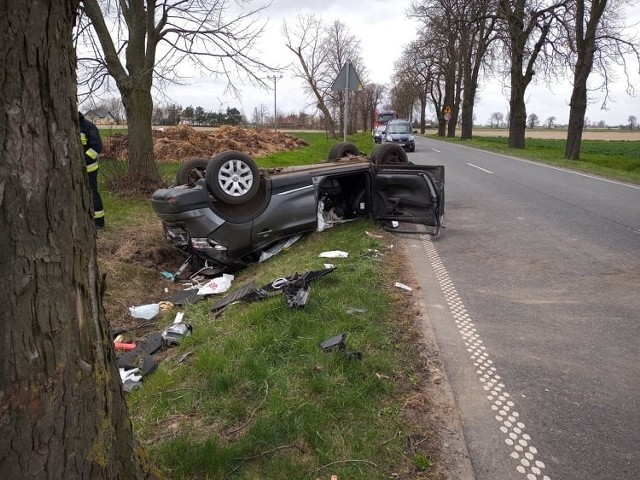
385	117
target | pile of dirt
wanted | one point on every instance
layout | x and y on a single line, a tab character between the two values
177	144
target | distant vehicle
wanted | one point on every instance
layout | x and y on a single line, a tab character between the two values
383	117
400	132
378	132
226	213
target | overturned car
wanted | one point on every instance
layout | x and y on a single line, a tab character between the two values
226	213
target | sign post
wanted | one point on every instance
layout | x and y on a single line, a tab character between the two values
347	80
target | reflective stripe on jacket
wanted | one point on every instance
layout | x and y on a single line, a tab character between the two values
91	143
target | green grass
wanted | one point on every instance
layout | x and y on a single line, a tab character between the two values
257	379
612	159
317	151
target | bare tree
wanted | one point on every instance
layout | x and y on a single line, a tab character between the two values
595	27
438	31
138	41
62	411
633	122
340	46
370	99
527	31
496	119
533	120
477	34
418	66
404	93
551	122
305	40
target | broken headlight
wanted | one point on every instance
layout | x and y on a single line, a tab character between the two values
177	236
206	244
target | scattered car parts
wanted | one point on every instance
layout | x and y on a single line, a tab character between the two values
338	343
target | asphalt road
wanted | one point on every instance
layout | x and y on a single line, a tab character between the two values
533	291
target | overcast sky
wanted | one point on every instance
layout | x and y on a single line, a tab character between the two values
383	29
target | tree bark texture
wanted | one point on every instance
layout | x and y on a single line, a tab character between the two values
62	411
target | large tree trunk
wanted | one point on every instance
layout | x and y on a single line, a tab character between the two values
576	118
466	123
518	113
423	112
139	107
62	411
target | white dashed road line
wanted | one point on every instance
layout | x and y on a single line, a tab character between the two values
480	168
505	413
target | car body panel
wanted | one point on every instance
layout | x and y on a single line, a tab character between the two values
233	236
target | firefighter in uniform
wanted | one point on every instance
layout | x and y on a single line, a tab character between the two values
92	145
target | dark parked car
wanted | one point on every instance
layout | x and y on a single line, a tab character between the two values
226	212
400	132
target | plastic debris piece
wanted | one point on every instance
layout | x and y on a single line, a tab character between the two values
179	317
403	286
183	357
145	311
334	343
174	334
130	386
132	374
374	235
278	247
124	346
329	265
217	285
168	275
352	311
334	254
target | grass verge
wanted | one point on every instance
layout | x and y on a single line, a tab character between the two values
614	159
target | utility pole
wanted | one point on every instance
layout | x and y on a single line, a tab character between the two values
275	79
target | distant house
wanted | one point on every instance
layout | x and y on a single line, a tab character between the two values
98	115
291	121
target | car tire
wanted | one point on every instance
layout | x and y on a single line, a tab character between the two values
411	148
191	171
342	150
233	177
389	153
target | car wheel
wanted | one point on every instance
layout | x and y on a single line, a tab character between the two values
191	171
389	153
342	150
233	177
412	148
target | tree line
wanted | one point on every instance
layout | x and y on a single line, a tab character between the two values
463	43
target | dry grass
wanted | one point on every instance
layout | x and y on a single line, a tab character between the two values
132	258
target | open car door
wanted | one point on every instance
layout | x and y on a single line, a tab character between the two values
410	193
